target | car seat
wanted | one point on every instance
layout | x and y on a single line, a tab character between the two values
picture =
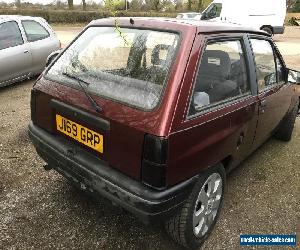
214	75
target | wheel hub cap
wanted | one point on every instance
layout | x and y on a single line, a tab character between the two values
207	204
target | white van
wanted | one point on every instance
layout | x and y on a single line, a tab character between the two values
267	15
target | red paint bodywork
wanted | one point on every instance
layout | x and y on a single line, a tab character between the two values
194	144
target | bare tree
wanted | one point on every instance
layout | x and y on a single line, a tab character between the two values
84	5
152	4
70	4
18	3
200	5
189	4
135	4
156	4
290	4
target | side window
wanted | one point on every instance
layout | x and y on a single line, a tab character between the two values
34	31
280	69
222	75
213	11
265	63
10	35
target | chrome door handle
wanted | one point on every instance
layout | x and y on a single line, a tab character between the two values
26	51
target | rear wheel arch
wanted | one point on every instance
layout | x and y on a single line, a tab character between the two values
268	28
286	126
226	162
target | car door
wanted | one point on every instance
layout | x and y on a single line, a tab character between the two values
220	117
273	91
15	57
41	43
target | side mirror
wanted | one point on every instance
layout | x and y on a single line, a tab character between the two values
51	57
293	76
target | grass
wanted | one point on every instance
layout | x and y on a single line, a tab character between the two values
290	15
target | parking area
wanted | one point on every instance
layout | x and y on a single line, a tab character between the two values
288	43
41	210
289	46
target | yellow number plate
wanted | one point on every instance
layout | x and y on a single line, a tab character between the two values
80	133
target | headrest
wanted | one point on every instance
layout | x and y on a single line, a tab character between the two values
216	62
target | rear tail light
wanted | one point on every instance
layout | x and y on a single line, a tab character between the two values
154	161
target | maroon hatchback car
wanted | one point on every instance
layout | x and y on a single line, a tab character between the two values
152	114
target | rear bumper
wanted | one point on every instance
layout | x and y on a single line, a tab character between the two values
96	177
278	29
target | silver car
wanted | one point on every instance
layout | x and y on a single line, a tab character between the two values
25	44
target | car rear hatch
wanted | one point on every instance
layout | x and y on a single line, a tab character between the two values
123	72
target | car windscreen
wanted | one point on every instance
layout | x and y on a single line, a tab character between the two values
126	65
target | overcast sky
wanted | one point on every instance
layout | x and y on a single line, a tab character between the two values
45	1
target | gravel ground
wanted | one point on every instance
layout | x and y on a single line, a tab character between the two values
41	210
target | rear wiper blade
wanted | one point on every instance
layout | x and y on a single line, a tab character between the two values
80	81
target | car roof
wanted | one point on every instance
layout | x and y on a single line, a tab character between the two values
4	18
202	26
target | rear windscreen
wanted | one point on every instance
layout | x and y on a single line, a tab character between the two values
126	65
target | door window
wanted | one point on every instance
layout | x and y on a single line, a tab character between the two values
34	31
213	11
222	75
10	35
265	63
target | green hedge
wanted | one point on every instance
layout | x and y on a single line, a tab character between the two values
65	16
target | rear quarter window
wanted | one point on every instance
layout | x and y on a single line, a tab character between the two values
34	31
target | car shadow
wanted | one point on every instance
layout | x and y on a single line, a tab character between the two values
15	85
115	227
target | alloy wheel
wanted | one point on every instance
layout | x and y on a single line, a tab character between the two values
207	204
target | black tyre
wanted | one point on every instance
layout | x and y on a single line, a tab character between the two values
268	30
195	221
286	127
